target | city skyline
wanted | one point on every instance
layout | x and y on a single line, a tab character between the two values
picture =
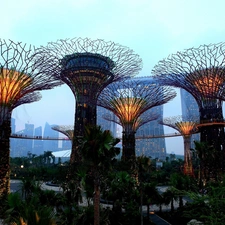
154	29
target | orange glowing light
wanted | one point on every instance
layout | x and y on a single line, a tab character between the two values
208	83
186	127
128	108
11	84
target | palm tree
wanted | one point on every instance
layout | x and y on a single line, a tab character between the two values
98	150
170	195
142	168
182	183
119	188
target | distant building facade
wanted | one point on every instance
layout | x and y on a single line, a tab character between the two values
189	109
154	147
20	147
106	124
51	145
38	143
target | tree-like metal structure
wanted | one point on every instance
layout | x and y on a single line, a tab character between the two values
67	130
21	77
129	100
200	71
186	127
87	67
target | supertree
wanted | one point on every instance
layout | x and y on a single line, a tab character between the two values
67	130
87	67
186	127
129	100
200	71
21	77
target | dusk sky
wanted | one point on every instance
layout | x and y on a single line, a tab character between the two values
154	29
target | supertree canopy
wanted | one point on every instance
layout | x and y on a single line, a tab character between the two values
21	77
200	71
186	127
131	99
87	67
67	130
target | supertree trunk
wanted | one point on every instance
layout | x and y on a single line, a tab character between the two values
188	168
131	101
85	115
5	131
87	67
128	145
213	135
200	71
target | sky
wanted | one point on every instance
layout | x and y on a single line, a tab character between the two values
154	29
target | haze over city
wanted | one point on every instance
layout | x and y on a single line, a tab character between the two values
154	29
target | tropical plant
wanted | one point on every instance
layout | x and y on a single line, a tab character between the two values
182	183
98	150
22	212
209	168
170	195
143	167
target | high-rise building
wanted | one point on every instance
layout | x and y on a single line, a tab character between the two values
106	124
29	131
12	140
154	147
66	144
13	125
50	145
190	110
38	143
20	146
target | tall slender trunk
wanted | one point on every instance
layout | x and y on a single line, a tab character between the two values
148	210
141	204
181	203
5	131
96	202
85	115
128	139
188	168
172	205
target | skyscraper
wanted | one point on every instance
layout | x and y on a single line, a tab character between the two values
12	140
38	144
189	109
19	146
135	103
50	145
152	147
106	124
29	131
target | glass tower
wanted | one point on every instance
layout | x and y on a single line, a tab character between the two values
189	109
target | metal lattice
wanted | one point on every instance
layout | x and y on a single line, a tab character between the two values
72	59
87	67
201	72
130	101
186	127
67	130
22	75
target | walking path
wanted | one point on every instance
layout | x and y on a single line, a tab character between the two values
153	208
